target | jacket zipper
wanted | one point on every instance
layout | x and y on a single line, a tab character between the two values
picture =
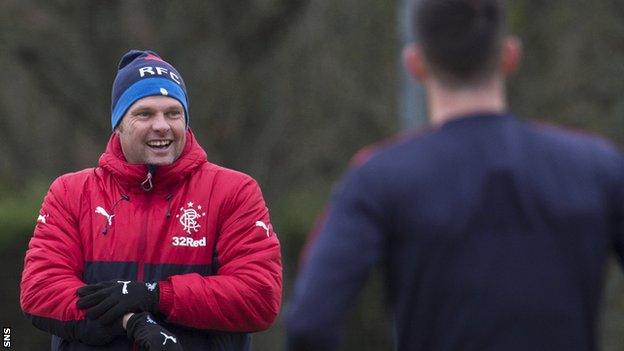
147	185
143	244
141	250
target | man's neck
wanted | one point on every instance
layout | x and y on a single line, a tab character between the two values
448	104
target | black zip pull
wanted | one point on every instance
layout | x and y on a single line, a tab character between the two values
168	198
124	197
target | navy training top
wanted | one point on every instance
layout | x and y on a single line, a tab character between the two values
493	234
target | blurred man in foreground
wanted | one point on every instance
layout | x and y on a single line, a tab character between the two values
156	245
493	233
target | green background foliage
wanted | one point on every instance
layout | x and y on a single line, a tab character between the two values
285	90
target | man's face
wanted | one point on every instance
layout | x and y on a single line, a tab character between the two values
153	131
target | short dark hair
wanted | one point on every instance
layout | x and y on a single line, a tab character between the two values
460	39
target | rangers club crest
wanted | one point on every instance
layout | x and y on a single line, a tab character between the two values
188	217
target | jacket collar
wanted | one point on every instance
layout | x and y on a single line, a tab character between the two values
130	176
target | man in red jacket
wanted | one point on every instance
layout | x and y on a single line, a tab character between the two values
156	245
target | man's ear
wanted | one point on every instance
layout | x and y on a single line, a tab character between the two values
414	62
511	55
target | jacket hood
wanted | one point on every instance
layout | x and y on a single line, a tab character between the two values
131	176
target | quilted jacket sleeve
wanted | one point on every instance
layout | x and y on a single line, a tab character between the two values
52	270
245	295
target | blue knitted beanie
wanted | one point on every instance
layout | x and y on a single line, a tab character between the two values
141	74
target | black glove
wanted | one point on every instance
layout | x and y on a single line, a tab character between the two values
142	329
109	301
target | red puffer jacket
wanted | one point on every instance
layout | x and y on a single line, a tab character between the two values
202	231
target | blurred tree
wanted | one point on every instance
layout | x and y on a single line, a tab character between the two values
572	72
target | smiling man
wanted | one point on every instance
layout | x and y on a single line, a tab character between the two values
156	246
153	131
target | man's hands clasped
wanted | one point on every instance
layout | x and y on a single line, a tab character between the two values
108	301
